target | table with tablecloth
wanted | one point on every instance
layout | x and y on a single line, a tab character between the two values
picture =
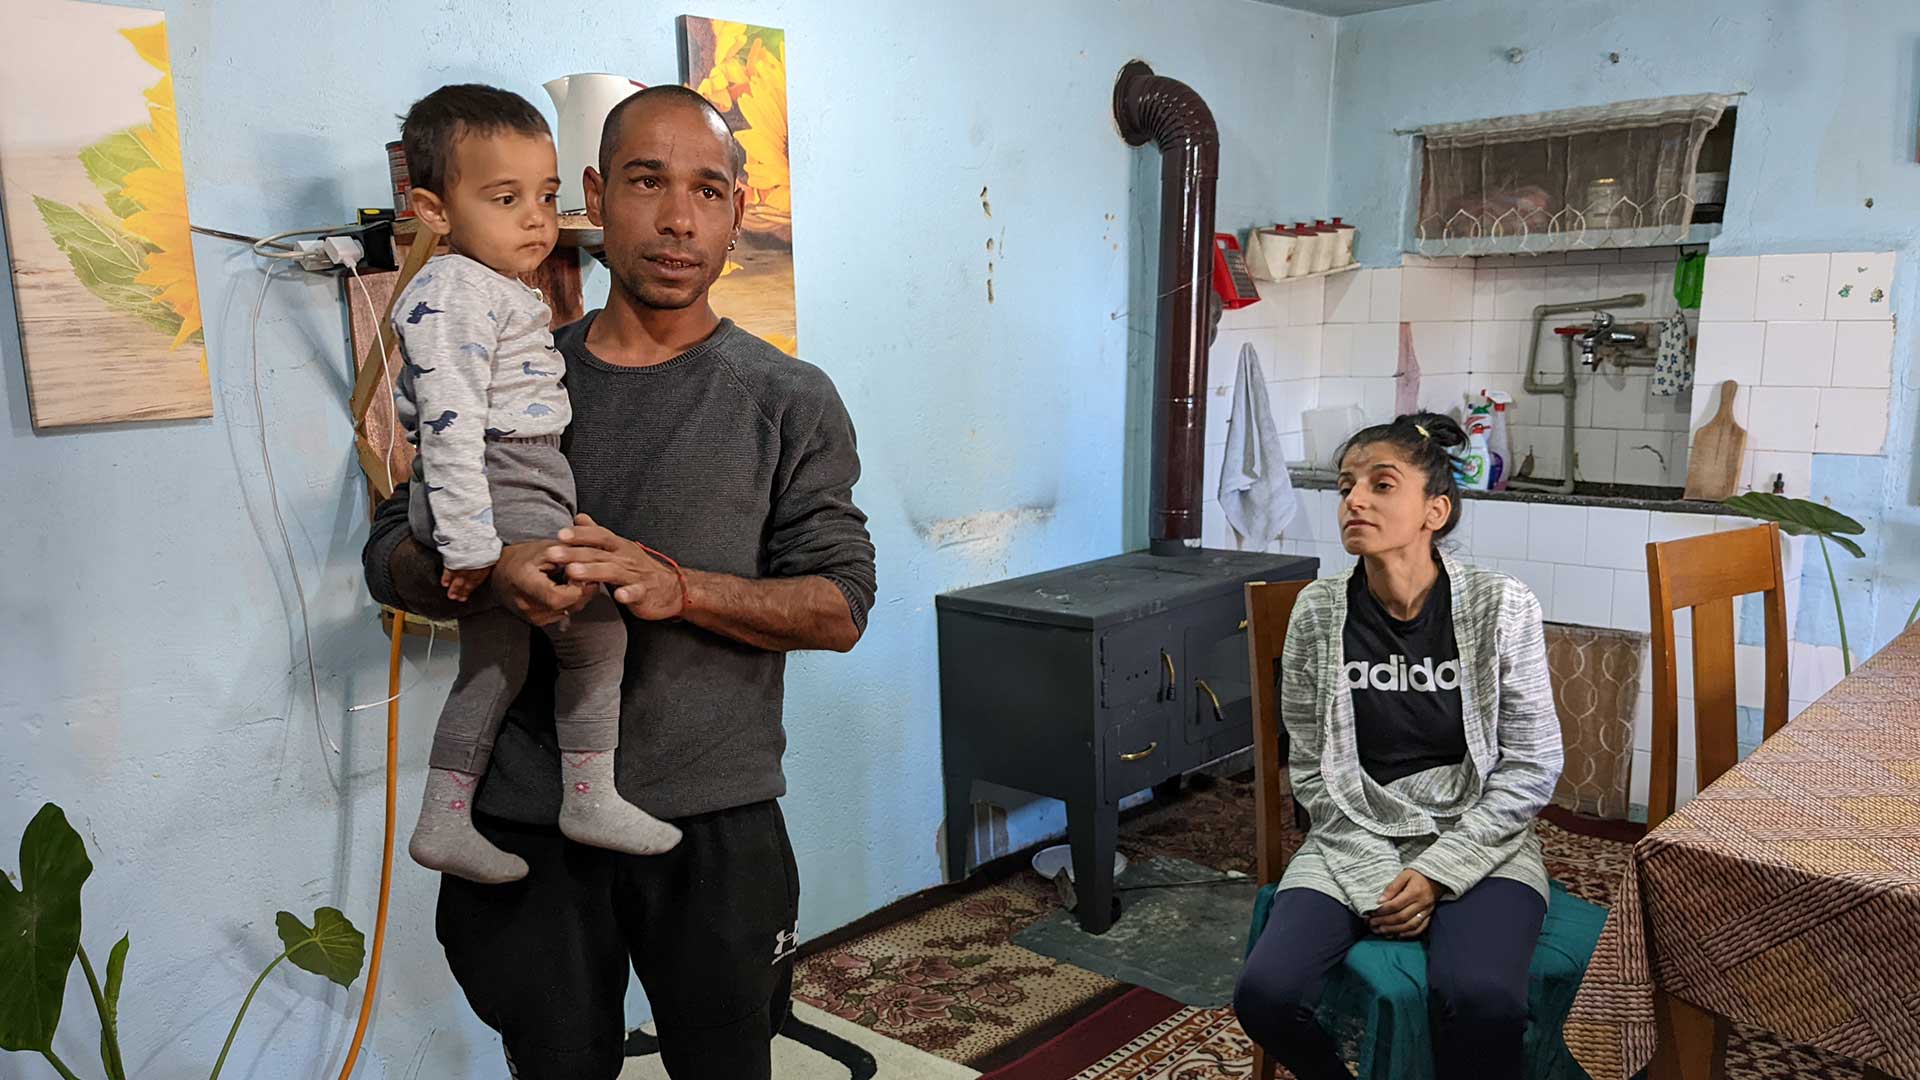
1786	895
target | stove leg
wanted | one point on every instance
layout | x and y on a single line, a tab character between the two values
959	825
1093	829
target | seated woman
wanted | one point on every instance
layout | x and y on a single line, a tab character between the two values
1423	741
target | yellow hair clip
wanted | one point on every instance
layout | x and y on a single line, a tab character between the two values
1423	431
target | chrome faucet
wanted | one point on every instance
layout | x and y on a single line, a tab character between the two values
1601	332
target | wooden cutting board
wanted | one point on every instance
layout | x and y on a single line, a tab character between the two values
1713	469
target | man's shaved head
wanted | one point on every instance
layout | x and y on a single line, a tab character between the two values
666	95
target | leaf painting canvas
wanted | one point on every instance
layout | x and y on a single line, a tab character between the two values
95	206
742	69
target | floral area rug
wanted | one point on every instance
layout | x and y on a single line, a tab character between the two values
948	980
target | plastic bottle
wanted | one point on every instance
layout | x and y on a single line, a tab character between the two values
1498	445
1475	461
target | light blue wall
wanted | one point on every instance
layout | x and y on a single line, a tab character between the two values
1828	122
153	680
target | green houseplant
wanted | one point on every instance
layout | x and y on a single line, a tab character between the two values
40	939
1802	517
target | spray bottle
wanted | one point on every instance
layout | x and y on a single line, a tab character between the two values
1476	463
1498	446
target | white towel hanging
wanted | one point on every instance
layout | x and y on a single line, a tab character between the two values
1255	491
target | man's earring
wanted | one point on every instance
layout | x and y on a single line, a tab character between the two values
732	243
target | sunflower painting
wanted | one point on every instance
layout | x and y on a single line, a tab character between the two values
742	69
96	216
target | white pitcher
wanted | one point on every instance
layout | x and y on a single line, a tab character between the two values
583	102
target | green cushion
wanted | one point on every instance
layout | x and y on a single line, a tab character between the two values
1377	999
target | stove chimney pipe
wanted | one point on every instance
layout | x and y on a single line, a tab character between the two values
1168	112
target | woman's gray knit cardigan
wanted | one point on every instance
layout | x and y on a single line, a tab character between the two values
1456	824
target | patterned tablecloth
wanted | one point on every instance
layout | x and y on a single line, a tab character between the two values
1786	896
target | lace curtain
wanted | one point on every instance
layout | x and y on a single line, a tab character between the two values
1618	175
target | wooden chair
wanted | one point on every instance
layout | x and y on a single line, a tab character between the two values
1387	979
1705	574
1269	607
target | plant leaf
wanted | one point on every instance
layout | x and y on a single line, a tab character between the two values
110	1023
40	930
1800	517
107	261
331	948
1849	545
109	161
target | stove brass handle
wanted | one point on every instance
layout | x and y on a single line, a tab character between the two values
1172	679
1211	696
1140	755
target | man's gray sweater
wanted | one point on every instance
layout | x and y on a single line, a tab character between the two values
732	458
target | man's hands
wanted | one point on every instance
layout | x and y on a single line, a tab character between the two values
461	583
594	556
523	583
1405	908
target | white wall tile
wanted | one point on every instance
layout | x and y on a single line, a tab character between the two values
1863	354
1616	538
1336	349
1595	451
1337	390
1816	669
1517	292
1445	393
1663	526
1349	296
1223	359
1442	346
1630	601
1484	282
1729	350
1750	675
1500	528
1851	421
1289	399
1385	306
1867	280
1307	302
1293	444
1729	288
1296	353
1631	278
1669	413
1376	349
1636	463
1798	353
1620	401
1782	418
1582	595
1219	409
1547	444
1537	576
1426	294
1706	404
1595	256
1495	346
1377	399
1791	287
1556	533
1677	458
1796	468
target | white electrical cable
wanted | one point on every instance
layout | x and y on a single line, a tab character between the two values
433	629
286	539
287	251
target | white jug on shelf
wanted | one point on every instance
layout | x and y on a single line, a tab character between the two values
583	102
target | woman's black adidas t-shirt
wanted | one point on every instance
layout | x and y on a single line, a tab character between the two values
1405	678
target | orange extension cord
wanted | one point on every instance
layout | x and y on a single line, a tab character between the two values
386	852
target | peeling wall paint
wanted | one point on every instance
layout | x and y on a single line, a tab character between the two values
153	680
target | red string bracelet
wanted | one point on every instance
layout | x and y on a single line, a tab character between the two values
686	596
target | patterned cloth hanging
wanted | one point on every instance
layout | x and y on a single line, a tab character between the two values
1673	367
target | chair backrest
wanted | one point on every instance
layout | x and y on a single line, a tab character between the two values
1269	606
1705	573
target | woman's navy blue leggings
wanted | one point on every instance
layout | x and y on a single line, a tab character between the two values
1478	951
